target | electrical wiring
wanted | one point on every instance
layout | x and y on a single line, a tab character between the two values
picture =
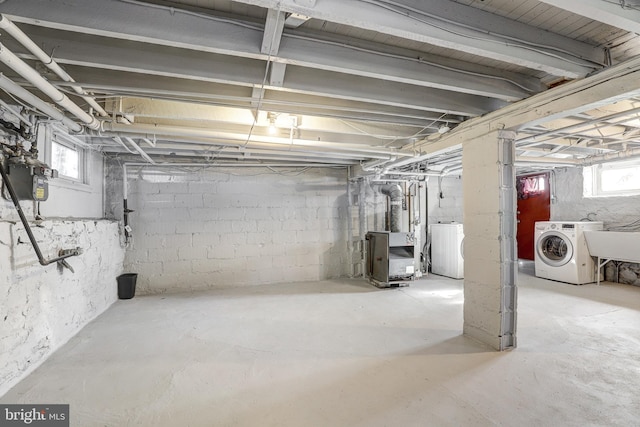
420	60
327	42
631	226
623	4
291	173
173	10
381	137
393	7
394	138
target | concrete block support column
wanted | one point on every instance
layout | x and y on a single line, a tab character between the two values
490	239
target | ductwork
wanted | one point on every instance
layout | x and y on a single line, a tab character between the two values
394	191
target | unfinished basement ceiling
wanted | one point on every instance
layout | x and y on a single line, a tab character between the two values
329	82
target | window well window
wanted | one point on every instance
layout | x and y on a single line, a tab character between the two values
612	179
65	153
65	160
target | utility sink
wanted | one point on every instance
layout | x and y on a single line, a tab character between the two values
613	245
617	245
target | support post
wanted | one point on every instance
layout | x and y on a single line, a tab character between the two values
490	272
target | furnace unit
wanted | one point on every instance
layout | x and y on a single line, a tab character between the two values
390	258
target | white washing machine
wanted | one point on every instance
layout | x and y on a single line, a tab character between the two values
447	256
561	251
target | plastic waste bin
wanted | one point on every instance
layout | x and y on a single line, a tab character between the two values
127	285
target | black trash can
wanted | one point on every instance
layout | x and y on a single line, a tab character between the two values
127	285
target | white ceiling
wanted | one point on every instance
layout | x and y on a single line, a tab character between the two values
343	81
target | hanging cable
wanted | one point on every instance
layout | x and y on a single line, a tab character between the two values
536	47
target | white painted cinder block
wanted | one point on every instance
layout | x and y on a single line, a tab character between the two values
249	229
43	307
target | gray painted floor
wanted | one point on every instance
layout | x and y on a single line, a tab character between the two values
342	353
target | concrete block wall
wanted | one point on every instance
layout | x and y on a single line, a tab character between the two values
43	307
445	202
226	227
615	212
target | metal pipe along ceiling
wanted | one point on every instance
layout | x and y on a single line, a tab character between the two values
163	130
18	91
139	150
31	75
249	155
49	62
210	145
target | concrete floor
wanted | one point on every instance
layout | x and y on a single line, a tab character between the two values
342	353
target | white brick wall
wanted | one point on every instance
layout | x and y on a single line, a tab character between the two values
233	227
449	207
571	205
43	307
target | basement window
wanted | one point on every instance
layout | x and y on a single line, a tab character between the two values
66	155
65	160
612	179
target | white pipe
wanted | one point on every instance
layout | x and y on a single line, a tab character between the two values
121	142
255	157
12	88
384	181
551	160
207	145
21	37
410	173
149	142
203	143
140	150
236	165
125	188
367	166
610	157
535	139
164	130
16	114
23	69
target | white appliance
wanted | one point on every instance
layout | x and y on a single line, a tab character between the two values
447	256
561	251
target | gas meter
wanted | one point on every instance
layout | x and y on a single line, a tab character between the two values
31	182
